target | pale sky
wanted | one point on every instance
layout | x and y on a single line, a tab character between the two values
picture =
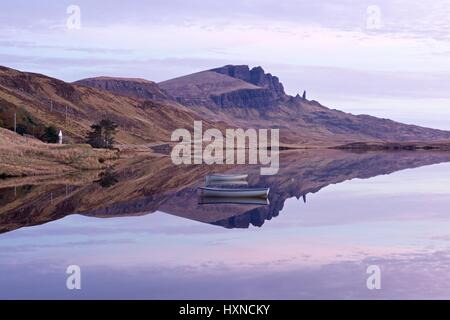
385	58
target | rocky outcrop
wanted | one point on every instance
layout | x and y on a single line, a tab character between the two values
262	97
236	92
255	76
245	98
241	72
266	80
133	88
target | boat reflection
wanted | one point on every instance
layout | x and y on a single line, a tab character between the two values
234	200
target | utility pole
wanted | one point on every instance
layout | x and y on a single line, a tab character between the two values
66	112
15	122
51	105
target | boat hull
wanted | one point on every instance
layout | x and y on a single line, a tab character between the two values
235	193
226	177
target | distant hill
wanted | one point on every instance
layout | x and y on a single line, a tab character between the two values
41	101
252	97
128	87
225	97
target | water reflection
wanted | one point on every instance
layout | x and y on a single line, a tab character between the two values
108	178
316	250
144	185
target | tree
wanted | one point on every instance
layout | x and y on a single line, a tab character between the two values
109	129
102	134
50	135
108	178
94	138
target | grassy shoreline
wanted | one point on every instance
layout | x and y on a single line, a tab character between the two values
23	156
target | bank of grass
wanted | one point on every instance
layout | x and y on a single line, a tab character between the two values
23	156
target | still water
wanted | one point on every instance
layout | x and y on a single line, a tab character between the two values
145	236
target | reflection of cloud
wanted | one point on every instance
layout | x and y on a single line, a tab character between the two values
413	276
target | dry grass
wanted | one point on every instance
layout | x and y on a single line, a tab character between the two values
23	156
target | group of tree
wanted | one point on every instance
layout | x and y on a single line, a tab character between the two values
102	134
50	135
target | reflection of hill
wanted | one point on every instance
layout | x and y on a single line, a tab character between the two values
145	185
308	172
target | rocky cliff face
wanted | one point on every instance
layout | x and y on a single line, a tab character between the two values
264	95
255	76
253	98
245	98
133	88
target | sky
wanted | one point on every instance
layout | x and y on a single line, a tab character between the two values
385	58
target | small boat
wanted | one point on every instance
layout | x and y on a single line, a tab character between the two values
226	177
237	192
234	200
230	183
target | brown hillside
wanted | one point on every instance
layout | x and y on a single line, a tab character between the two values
44	101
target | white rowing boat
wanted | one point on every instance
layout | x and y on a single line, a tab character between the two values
233	193
225	177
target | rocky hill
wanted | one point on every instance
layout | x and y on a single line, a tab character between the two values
253	98
39	101
256	76
128	87
226	97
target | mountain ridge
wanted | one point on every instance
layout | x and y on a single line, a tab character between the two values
303	121
225	97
